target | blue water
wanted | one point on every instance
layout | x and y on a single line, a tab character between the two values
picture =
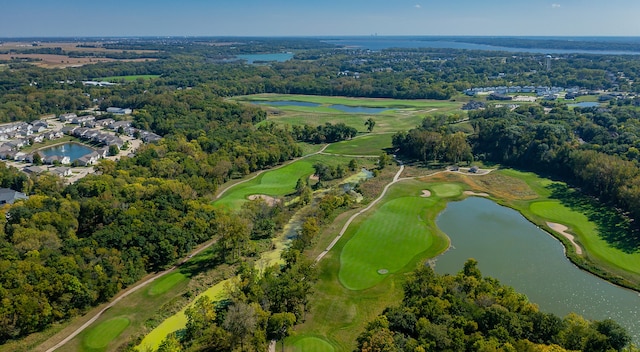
279	57
358	109
287	103
73	150
584	104
380	43
519	254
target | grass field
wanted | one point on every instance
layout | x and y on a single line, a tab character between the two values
388	240
129	78
312	344
99	337
587	234
166	283
370	144
403	114
446	190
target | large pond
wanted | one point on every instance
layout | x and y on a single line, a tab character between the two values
584	104
519	254
73	150
260	58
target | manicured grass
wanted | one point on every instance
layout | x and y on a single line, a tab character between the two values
371	144
366	102
387	240
179	320
312	344
99	337
127	78
272	183
165	283
587	234
446	190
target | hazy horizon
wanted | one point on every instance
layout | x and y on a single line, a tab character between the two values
287	18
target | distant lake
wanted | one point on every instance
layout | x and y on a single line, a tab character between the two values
73	150
358	109
380	43
584	104
279	57
287	103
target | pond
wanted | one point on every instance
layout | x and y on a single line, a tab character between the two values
73	150
584	104
358	109
261	58
519	254
287	103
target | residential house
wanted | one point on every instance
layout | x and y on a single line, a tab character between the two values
56	159
9	196
61	171
150	137
88	159
34	170
67	117
119	111
105	122
116	125
68	129
38	139
81	120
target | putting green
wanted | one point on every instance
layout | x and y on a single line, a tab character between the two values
99	337
385	242
312	344
165	283
446	190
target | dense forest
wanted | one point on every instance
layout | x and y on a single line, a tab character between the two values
469	312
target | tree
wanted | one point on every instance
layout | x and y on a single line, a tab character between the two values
114	150
278	326
240	321
37	159
370	123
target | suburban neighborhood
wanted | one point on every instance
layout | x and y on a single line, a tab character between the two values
106	138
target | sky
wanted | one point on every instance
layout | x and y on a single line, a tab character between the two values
68	18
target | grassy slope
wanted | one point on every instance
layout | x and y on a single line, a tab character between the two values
370	144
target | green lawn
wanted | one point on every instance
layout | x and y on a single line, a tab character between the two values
311	344
388	240
365	102
128	78
165	283
587	235
446	190
370	144
99	337
274	183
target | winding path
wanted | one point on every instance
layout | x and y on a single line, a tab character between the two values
396	178
126	293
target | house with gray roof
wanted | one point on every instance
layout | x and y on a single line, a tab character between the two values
9	196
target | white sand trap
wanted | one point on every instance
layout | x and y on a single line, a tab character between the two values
314	178
426	193
268	199
561	229
478	194
383	271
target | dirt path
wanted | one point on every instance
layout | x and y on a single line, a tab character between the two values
561	229
123	295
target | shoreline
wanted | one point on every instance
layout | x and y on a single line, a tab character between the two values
562	230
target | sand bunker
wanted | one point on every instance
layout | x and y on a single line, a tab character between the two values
426	193
383	271
478	194
268	199
561	229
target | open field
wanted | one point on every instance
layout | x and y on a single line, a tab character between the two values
166	283
312	344
129	78
370	144
403	114
62	61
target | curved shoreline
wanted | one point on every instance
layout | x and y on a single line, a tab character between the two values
562	229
